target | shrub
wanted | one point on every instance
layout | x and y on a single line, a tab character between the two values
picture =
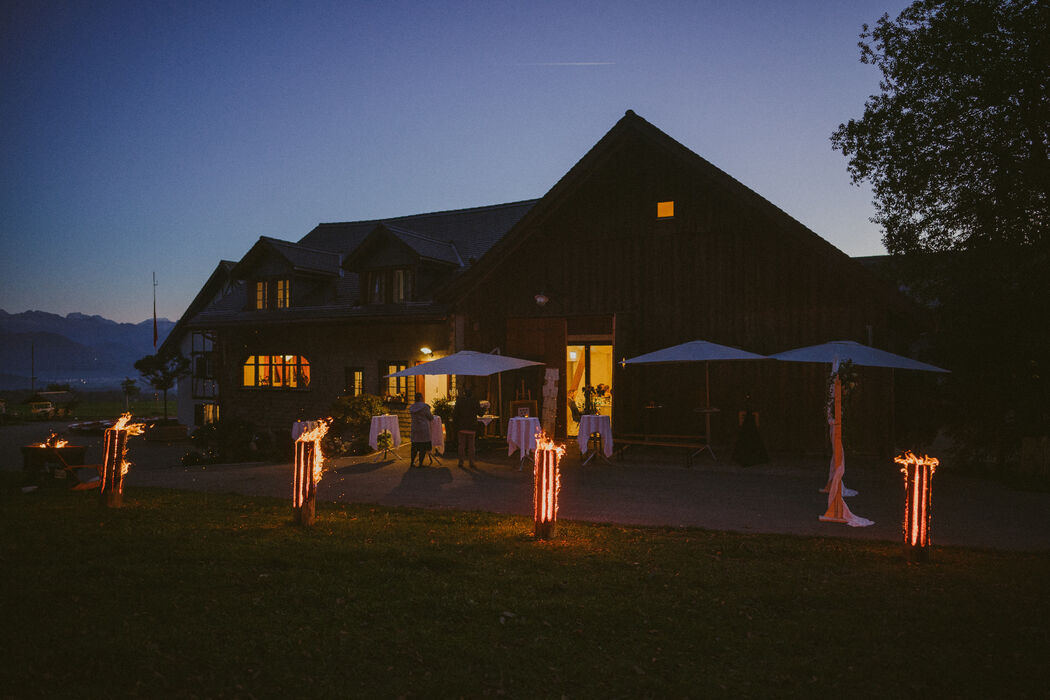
227	440
351	419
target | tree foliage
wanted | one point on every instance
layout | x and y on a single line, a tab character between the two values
162	370
955	147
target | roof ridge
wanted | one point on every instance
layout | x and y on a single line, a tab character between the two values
300	246
432	213
416	234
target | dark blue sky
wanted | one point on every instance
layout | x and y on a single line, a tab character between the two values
165	136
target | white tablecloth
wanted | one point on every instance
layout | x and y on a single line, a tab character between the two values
302	426
437	435
596	424
381	423
521	435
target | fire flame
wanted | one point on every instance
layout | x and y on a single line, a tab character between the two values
548	478
314	435
125	424
52	441
911	458
545	443
917	501
130	428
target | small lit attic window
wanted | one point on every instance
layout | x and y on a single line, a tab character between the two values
665	210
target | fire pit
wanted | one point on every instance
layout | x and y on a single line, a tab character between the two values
55	452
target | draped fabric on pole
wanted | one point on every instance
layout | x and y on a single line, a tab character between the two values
834	353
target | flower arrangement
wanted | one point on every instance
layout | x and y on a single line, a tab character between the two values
385	440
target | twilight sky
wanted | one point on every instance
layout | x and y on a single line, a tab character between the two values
164	136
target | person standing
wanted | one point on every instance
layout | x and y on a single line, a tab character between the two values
422	422
465	419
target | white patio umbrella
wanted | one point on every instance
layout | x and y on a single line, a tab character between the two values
466	363
697	351
471	364
834	353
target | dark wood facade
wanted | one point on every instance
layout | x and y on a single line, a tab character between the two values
728	268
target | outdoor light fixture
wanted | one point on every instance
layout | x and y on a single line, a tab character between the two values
918	475
541	300
308	462
114	463
426	351
548	482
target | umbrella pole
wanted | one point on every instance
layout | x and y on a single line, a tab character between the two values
707	402
707	412
893	410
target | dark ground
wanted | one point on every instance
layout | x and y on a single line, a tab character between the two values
648	487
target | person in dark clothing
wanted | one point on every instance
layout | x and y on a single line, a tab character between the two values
422	421
465	420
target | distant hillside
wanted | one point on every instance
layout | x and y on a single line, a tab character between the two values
86	351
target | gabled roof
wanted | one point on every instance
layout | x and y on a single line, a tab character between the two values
470	231
219	277
300	258
424	247
633	126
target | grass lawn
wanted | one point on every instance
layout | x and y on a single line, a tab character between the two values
206	595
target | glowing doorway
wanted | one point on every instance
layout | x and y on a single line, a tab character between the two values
588	370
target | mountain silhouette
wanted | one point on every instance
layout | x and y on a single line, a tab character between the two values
85	351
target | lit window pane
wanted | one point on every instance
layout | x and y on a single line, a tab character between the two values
664	210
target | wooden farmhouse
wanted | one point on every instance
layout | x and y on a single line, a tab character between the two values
641	245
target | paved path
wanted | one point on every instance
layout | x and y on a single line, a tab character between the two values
646	489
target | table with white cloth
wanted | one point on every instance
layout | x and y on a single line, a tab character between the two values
487	420
521	435
384	423
437	435
595	424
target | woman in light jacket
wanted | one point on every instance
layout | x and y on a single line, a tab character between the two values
422	421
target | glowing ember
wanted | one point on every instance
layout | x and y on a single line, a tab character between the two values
918	476
547	485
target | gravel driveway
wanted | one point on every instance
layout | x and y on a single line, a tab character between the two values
650	487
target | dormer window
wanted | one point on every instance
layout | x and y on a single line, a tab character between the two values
392	286
273	294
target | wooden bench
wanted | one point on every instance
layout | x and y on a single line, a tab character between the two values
695	443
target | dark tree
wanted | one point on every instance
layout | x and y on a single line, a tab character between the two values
129	389
955	144
955	147
161	371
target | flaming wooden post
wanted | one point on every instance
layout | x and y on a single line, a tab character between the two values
114	462
308	470
547	457
918	477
